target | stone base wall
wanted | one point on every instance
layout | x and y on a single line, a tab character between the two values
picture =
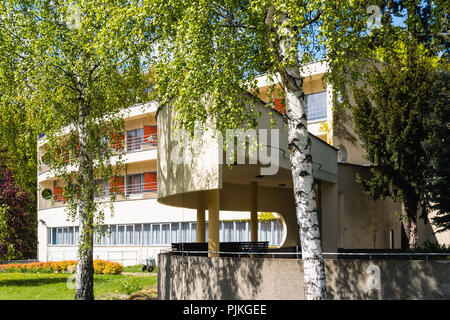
202	278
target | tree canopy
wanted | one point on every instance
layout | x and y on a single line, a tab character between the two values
73	65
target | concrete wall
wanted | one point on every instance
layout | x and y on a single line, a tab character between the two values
202	278
364	223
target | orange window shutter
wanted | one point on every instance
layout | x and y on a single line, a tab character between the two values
150	134
117	185
117	141
279	105
58	194
150	181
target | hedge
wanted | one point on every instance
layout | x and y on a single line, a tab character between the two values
100	267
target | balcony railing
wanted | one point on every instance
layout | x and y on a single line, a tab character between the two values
139	143
130	145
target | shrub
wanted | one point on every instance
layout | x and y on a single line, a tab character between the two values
100	267
130	286
113	268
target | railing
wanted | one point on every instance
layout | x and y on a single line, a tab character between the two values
295	253
129	145
135	144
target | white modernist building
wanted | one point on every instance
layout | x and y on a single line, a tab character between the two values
140	226
143	225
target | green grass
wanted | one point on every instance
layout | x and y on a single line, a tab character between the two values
35	286
136	268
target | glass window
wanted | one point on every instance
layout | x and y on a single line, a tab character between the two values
241	231
156	234
228	234
165	233
59	237
193	232
277	232
121	234
103	188
113	235
185	232
129	234
76	235
135	139
316	106
71	242
176	233
147	234
138	234
54	231
134	184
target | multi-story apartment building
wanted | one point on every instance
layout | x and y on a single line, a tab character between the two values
142	225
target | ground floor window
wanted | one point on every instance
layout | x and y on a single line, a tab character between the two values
147	234
63	236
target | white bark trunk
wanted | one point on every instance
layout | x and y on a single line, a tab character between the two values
299	145
84	284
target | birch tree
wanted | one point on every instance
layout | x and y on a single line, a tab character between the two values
75	64
218	48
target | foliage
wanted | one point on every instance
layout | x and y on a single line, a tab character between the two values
74	66
130	286
100	267
437	147
390	71
390	121
18	238
112	268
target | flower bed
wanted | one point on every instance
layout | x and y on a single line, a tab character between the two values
100	267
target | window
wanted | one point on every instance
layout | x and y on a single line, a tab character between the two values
147	234
113	238
193	232
121	234
156	234
277	232
134	184
228	231
316	106
138	234
165	233
49	236
185	232
102	188
76	235
176	236
134	140
129	235
241	231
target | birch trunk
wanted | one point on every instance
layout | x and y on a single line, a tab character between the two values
85	270
299	145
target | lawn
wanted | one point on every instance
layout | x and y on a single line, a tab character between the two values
137	268
53	286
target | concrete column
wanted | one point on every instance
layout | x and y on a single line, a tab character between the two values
254	211
201	225
213	222
330	217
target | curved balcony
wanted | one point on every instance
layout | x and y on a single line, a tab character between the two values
206	182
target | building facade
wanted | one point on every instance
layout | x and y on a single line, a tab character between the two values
164	202
139	227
